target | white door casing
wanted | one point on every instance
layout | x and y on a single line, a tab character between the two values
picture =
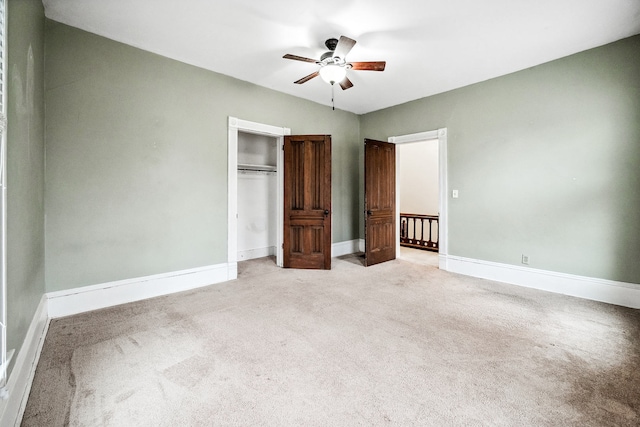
441	136
237	125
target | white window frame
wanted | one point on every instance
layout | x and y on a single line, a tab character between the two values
3	199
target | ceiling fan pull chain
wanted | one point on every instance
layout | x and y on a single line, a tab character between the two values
333	104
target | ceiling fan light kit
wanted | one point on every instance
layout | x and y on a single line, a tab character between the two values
333	64
332	73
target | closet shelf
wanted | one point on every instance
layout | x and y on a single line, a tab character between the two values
248	167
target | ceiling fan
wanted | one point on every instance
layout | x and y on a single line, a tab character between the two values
333	64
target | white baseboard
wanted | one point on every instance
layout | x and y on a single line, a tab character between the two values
609	291
337	249
345	248
19	384
232	271
443	262
256	253
78	300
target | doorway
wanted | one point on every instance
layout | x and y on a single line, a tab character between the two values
418	186
441	136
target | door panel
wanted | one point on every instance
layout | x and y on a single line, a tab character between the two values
307	201
380	201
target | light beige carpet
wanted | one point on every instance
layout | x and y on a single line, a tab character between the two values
395	344
419	256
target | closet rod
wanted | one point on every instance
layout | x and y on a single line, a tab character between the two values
262	168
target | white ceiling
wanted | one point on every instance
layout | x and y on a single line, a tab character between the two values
430	46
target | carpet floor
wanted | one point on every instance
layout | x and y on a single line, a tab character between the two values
401	343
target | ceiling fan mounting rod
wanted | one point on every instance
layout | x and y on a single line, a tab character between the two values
331	44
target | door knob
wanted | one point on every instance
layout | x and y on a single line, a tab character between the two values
369	212
326	211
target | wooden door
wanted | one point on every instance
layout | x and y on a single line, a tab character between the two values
379	201
307	202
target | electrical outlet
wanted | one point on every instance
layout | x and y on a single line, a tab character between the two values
454	194
525	259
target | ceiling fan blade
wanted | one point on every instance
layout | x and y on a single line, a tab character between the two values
299	58
346	83
369	66
345	44
307	78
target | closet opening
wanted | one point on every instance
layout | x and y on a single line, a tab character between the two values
257	220
256	132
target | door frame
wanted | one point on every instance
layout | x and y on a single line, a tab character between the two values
443	197
238	125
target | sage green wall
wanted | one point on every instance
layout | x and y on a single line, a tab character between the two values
136	177
25	166
547	162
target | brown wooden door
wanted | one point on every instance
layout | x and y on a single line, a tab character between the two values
379	201
307	202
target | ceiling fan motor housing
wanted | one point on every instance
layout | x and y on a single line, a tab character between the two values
326	55
328	58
